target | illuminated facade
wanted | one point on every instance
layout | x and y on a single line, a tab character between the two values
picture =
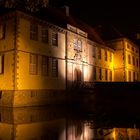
40	60
126	60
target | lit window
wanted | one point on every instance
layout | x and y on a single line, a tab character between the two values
105	55
54	38
94	52
33	64
99	53
33	31
54	67
44	35
1	64
45	65
129	59
2	31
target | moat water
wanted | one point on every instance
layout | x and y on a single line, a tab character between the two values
81	121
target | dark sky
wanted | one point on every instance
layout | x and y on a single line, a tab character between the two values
125	15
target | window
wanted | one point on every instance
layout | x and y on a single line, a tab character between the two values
99	53
77	45
54	38
134	76
45	65
1	64
54	67
100	74
128	46
105	55
137	62
44	35
94	73
110	57
137	77
0	94
33	64
2	31
94	52
129	59
132	48
33	31
129	76
110	75
106	74
133	59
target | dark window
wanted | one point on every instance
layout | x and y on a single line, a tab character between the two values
132	48
0	94
106	74
94	52
110	75
54	38
99	53
105	55
45	65
44	35
100	74
129	76
33	31
133	59
134	76
1	64
129	59
33	64
137	62
94	73
54	67
110	57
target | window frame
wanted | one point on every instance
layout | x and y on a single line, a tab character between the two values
33	64
45	65
54	38
1	63
33	31
54	67
45	35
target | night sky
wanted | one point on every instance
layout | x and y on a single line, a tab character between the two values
124	15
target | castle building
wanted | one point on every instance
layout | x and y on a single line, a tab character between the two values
41	58
126	60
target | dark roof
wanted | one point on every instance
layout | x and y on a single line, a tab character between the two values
59	18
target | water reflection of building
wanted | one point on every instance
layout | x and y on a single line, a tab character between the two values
40	60
52	123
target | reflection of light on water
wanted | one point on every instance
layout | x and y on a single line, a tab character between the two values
86	134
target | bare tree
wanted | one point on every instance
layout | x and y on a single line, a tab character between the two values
30	5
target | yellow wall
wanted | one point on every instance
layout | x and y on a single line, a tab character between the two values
27	46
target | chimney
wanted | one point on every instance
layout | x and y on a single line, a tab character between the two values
66	10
